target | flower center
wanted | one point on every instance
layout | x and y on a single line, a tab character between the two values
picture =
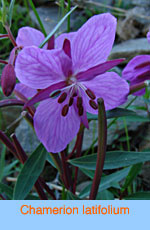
73	94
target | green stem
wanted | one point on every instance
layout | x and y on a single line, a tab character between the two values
127	135
68	23
102	140
38	17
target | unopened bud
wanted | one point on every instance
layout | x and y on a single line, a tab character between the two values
8	79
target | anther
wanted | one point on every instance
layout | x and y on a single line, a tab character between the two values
62	98
80	110
71	101
90	94
79	101
75	94
55	93
93	104
65	110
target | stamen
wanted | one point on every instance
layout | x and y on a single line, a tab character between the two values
65	110
75	94
55	93
71	101
93	104
62	98
79	101
90	94
80	110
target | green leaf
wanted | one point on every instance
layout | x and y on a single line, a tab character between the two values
139	196
114	113
114	159
105	195
10	12
30	173
38	17
2	163
107	181
7	190
3	14
8	168
132	175
56	27
50	160
71	196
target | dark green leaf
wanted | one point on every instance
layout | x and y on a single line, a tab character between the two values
50	160
139	196
114	113
134	171
30	173
7	190
107	181
105	195
71	196
114	159
2	162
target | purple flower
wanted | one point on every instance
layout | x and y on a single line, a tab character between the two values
148	36
27	36
71	79
137	71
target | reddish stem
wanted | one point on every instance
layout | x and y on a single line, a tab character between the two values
102	140
3	62
11	37
79	148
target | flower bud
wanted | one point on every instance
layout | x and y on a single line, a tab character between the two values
8	79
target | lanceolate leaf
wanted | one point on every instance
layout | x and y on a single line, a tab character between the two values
11	7
132	175
56	27
8	191
114	159
114	113
30	173
139	196
107	181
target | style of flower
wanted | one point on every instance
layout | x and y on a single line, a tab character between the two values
71	78
137	71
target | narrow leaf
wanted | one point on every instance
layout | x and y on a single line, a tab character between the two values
30	173
7	190
114	159
107	181
10	13
56	27
132	175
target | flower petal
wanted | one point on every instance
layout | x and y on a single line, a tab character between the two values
139	66
28	36
52	129
38	68
110	87
45	93
25	90
61	38
97	70
93	42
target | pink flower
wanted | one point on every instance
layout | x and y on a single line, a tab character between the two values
137	71
148	36
27	36
72	77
